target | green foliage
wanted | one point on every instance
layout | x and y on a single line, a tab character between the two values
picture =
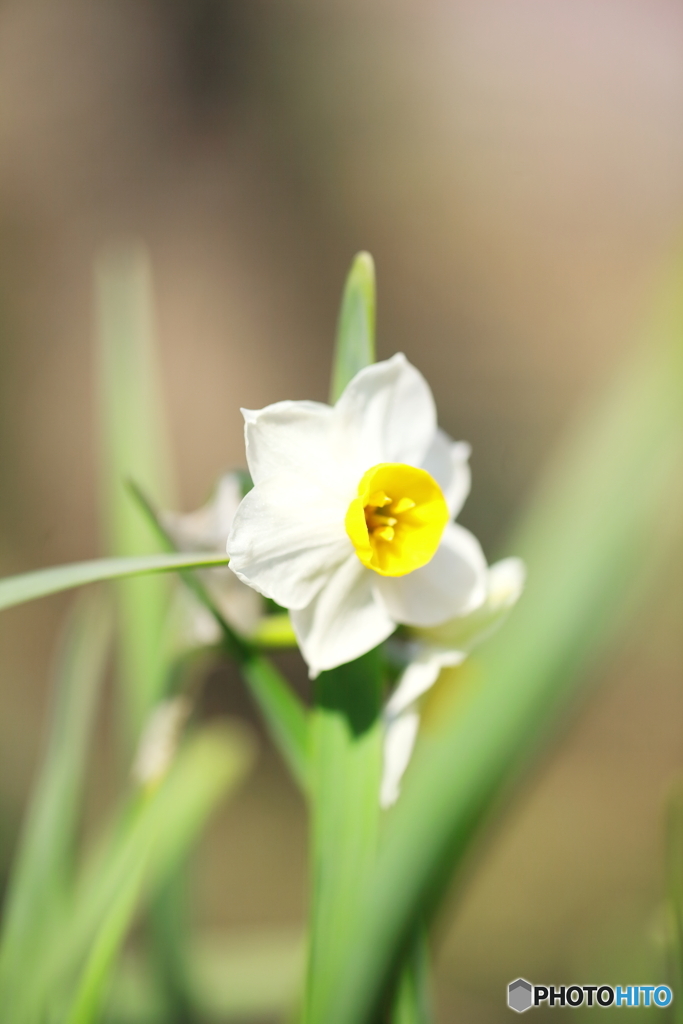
37	898
136	856
590	540
346	765
284	714
243	975
412	1002
134	445
355	347
161	826
43	582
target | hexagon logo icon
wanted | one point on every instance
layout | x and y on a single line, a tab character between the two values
520	995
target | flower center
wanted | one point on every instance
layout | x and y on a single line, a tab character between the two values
396	522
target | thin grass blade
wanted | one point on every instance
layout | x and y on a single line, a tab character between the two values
355	348
246	975
155	834
412	1001
133	444
29	586
346	766
285	715
43	863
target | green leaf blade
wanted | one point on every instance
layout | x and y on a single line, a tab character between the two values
15	590
355	348
40	875
133	445
346	766
285	715
155	834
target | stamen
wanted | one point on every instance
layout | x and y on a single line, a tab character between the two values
388	535
401	505
374	520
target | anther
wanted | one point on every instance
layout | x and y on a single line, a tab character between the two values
401	505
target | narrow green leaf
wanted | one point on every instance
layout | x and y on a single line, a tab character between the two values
285	715
245	975
41	870
591	535
412	1002
133	440
346	764
107	943
355	348
31	585
155	834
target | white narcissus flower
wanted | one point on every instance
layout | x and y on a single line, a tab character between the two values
429	651
207	529
350	521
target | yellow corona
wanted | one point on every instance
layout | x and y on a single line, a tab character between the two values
396	521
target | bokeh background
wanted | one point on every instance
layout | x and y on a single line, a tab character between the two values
517	171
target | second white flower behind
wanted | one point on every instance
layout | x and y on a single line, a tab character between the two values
350	521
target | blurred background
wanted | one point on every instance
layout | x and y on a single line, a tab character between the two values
516	169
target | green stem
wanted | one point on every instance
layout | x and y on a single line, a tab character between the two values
346	760
412	1001
168	929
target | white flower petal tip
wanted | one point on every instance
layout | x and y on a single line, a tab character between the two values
159	741
399	741
419	677
448	462
386	414
505	583
328	530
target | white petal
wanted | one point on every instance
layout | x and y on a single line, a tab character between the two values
344	621
385	414
419	677
289	437
505	583
453	583
504	586
448	463
399	740
287	538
